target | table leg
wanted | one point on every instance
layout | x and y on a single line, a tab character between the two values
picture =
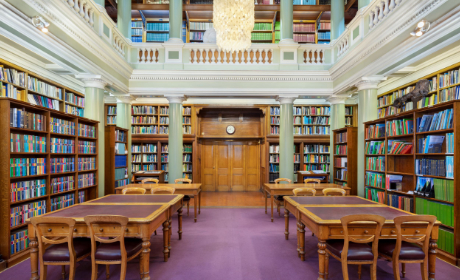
145	258
34	259
286	223
302	241
195	206
272	201
199	204
432	259
170	235
266	196
165	239
179	214
298	239
322	258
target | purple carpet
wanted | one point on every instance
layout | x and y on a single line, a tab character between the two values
233	244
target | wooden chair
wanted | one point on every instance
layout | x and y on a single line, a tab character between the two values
150	181
186	198
334	192
133	190
356	250
279	198
63	251
304	192
312	181
402	250
162	190
114	248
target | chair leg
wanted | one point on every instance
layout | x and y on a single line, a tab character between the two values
424	271
374	271
93	270
359	271
396	270
43	269
72	268
155	232
123	271
326	267
278	209
312	234
403	270
188	206
107	271
63	272
345	270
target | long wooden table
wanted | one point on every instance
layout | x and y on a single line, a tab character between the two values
286	189
145	212
322	216
185	189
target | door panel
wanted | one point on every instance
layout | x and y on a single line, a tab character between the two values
252	167
237	161
223	167
208	167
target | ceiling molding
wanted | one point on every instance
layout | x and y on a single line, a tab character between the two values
240	92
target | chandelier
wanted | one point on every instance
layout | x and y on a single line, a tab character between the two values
233	21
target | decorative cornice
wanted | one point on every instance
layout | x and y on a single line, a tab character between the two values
92	81
175	98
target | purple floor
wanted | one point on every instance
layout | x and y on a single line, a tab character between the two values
233	244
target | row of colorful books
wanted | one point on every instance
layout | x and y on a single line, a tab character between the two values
86	180
62	184
375	131
438	121
375	163
341	149
316	158
12	76
69	109
396	147
375	195
323	149
435	167
375	147
442	189
59	145
19	214
120	135
143	109
62	201
20	118
341	162
399	127
314	166
27	189
27	166
62	126
43	101
443	211
41	87
27	143
75	99
374	179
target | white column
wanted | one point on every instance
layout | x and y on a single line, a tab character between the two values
175	137
287	136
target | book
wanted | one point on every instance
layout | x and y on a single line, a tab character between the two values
430	144
394	182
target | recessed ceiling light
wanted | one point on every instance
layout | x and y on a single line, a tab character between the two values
40	23
422	27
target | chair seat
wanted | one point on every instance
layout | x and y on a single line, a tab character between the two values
279	197
356	251
111	251
409	251
186	198
60	252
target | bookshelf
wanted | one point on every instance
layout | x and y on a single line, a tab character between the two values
304	31
444	86
324	32
196	29
187	161
144	156
110	110
137	30
351	115
345	157
263	31
273	161
65	171
156	30
401	181
19	84
116	158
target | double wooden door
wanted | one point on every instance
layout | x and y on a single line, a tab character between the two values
230	166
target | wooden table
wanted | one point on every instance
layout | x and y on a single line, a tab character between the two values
155	174
322	216
145	212
286	189
185	189
310	174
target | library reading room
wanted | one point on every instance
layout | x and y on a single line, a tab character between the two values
317	136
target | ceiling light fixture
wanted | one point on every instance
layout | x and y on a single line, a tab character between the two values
422	27
40	23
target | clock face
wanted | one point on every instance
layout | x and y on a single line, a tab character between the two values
230	129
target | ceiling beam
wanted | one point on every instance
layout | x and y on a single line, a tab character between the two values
208	7
349	4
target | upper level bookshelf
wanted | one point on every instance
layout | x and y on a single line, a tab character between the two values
444	87
308	120
20	84
154	119
49	162
412	162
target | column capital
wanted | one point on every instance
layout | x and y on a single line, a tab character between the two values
92	81
287	99
370	82
337	99
128	99
176	98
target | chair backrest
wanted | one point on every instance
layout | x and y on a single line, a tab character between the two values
367	238
133	190
117	234
162	190
42	240
312	181
277	181
183	180
304	192
419	237
334	192
150	181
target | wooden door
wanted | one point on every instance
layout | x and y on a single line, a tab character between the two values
238	182
252	163
223	167
208	171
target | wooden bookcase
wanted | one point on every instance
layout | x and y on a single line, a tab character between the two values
323	32
264	28
30	88
405	165
110	110
87	189
156	30
305	31
345	157
116	173
351	115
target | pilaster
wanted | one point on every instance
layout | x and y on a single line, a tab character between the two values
175	137
287	136
337	18
124	17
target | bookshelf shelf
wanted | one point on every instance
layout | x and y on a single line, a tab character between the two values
9	109
116	159
345	163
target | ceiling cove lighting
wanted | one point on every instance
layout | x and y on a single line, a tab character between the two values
233	21
422	27
40	23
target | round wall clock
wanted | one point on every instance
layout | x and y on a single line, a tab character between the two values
230	129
